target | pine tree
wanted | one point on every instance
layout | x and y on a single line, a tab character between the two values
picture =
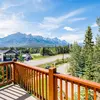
75	59
88	52
97	50
98	22
42	51
97	59
20	57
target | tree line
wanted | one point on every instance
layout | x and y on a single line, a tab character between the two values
42	50
54	50
85	60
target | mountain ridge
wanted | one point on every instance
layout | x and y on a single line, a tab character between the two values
21	40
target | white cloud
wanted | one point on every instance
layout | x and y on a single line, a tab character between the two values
7	6
76	19
71	38
71	14
55	22
15	23
25	5
11	22
69	28
10	25
94	25
49	26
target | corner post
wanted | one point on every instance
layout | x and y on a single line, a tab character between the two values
51	83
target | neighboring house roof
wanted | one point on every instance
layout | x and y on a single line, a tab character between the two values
8	51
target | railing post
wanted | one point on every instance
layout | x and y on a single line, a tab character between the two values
13	72
51	84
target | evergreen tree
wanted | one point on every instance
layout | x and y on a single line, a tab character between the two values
82	62
20	57
30	50
98	22
88	51
97	50
42	51
97	59
75	59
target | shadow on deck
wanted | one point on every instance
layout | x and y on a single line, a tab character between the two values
14	92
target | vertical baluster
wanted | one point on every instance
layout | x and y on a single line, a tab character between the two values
46	86
86	93
7	73
42	86
72	91
78	91
56	89
31	81
20	75
10	71
27	78
34	82
39	85
24	76
3	73
13	72
60	89
94	94
19	70
66	89
16	71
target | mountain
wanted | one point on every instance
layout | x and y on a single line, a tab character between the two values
22	40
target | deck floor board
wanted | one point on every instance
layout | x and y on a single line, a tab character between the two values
14	92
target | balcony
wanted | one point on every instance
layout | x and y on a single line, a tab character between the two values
22	82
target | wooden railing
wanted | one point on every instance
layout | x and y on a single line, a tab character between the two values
6	73
32	79
48	84
66	87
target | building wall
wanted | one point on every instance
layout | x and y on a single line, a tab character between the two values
1	57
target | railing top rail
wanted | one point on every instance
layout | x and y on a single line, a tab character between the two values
45	71
77	80
4	63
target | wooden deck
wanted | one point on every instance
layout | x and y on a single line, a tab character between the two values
14	92
45	84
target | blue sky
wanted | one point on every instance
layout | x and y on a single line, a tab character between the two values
65	19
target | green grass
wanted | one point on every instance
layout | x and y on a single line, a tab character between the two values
36	57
